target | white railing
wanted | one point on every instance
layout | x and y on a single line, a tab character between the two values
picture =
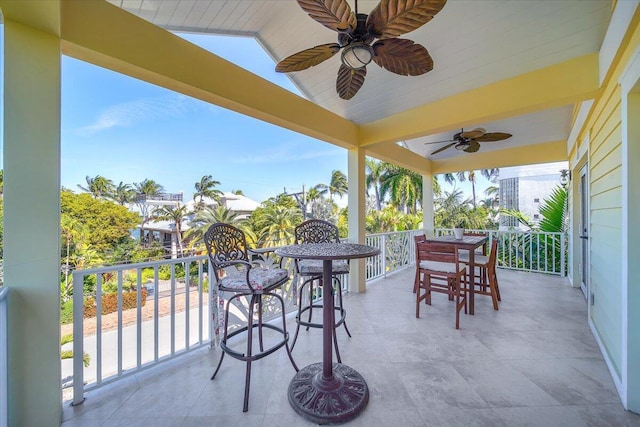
118	347
534	251
4	366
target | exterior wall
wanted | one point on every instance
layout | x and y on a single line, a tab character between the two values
609	133
605	198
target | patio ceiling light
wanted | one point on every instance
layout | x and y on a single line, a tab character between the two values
357	55
462	145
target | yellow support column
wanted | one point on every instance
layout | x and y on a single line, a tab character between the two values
31	221
356	215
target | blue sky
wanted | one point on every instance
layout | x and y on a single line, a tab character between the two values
128	130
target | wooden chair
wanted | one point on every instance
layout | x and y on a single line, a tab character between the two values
417	239
488	285
480	251
441	272
318	231
234	273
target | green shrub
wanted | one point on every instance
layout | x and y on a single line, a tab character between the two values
110	303
66	312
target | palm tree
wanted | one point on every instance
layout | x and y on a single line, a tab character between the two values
204	218
403	186
146	188
206	188
98	186
277	224
338	185
71	230
175	214
123	194
374	171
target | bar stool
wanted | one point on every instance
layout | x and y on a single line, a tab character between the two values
318	231
234	273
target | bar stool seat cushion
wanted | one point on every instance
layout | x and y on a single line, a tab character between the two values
260	278
310	267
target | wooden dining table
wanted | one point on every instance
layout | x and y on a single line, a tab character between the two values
470	243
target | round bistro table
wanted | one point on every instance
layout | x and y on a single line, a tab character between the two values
327	392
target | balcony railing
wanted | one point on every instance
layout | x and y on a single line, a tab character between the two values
539	252
4	366
179	317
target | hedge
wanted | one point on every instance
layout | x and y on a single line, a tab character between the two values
110	303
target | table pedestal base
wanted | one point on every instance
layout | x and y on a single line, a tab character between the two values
333	401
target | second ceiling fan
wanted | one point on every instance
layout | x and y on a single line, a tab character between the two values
470	140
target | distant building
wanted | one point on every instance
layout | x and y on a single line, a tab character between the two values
164	232
524	188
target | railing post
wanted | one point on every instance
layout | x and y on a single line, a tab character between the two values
383	254
563	253
78	338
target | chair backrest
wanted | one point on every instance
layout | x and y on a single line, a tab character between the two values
417	239
316	231
493	255
436	251
225	243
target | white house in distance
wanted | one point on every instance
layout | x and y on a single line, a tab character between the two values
524	188
165	231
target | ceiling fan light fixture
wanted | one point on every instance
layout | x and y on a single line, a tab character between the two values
357	55
462	145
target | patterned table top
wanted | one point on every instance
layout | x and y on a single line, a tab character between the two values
327	251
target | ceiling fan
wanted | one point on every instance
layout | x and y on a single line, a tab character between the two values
470	140
356	35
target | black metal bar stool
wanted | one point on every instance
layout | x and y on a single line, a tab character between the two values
234	272
318	231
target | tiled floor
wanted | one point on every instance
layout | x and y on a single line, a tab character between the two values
532	363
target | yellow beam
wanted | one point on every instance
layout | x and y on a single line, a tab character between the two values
400	156
105	35
40	15
561	84
517	156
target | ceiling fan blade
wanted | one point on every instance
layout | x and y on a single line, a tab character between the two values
493	136
333	14
349	81
473	134
392	18
441	149
438	142
473	146
402	56
307	58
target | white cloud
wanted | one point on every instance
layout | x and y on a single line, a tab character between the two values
146	109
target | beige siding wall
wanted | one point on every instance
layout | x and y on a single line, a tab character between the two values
605	166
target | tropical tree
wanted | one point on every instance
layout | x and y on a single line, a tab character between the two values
98	186
204	218
72	231
175	214
206	187
276	221
403	186
123	194
144	190
338	185
148	187
374	171
489	174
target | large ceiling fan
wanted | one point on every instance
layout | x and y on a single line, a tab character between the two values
356	35
470	140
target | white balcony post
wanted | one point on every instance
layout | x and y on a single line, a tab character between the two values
427	204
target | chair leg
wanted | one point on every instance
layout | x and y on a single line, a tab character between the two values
311	283
260	323
284	330
224	337
339	290
295	336
247	380
495	278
